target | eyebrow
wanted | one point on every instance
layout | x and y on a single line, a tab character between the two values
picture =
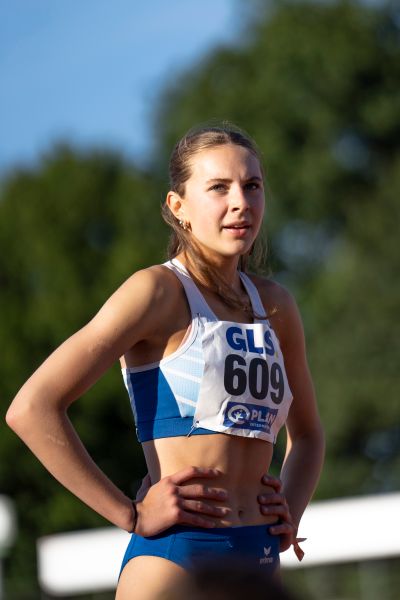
227	180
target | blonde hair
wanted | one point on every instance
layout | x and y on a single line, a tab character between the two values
181	240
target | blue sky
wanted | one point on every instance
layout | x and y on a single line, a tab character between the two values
90	71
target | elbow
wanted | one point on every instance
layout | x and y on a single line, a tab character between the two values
17	415
315	433
317	442
23	414
10	418
29	413
316	438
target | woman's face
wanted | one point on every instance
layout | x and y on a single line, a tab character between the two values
224	200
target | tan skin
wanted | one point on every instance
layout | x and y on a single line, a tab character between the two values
234	457
146	320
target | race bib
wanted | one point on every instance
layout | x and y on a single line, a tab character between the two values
244	390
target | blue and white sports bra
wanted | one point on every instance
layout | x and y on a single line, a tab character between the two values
225	377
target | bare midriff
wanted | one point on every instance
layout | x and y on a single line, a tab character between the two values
241	461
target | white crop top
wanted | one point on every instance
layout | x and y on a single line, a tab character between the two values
226	377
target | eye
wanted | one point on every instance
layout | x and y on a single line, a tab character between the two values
218	187
252	185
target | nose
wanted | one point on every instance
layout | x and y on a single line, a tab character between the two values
239	199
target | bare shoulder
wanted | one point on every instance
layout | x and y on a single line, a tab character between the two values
144	299
281	308
276	298
156	283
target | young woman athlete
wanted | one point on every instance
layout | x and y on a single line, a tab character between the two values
214	362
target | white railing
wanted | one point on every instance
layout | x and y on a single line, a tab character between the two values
346	530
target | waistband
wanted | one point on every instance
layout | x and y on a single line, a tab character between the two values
226	533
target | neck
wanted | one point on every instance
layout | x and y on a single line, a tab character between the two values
226	266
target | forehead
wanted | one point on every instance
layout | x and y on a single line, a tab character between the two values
228	161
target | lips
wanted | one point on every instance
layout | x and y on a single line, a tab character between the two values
243	225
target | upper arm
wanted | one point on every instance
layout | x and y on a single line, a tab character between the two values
303	418
128	316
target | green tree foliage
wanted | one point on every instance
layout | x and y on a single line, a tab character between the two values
355	355
317	85
70	233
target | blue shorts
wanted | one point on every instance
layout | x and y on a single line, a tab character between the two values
189	547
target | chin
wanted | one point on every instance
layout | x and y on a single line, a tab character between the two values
225	252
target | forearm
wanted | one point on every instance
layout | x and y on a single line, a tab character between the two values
51	437
301	470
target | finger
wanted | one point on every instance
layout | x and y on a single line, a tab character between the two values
272	481
282	529
197	520
198	506
299	552
279	510
192	472
272	499
202	491
285	542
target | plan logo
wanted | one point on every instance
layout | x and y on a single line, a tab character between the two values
249	416
238	414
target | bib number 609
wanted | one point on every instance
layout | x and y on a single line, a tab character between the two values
258	378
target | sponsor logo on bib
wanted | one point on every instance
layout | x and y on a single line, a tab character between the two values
238	414
249	416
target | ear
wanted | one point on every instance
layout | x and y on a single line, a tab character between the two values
175	205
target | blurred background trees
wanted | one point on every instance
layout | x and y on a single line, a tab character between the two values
317	85
70	234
